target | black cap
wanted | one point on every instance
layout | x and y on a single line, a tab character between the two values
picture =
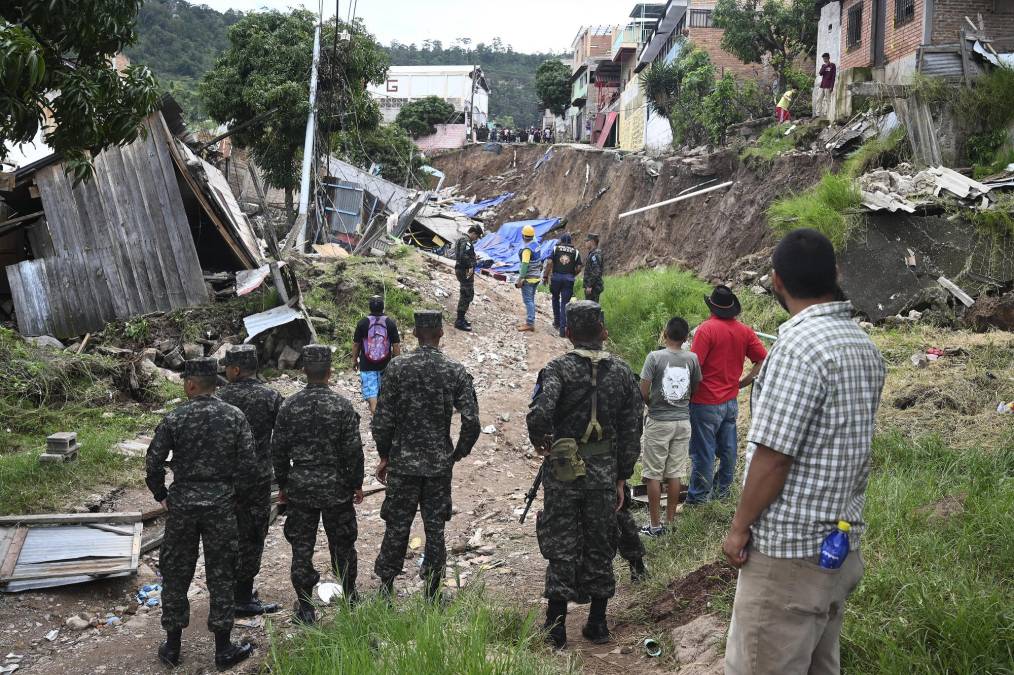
376	304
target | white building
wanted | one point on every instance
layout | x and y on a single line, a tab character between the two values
451	83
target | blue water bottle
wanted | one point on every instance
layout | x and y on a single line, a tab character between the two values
835	548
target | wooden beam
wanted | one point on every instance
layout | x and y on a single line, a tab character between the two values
966	64
135	548
69	519
10	560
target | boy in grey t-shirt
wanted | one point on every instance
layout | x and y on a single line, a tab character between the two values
668	379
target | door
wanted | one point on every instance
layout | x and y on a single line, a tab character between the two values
879	27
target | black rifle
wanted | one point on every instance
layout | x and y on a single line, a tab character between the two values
533	492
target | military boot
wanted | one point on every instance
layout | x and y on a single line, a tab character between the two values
596	630
169	651
434	585
461	324
305	613
638	571
556	624
386	590
248	604
227	652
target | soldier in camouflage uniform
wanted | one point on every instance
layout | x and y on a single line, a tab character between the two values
412	430
464	270
213	460
318	458
586	415
593	271
253	504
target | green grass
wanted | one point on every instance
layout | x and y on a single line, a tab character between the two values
823	207
773	141
877	153
476	634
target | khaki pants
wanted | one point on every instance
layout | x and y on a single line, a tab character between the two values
823	104
787	616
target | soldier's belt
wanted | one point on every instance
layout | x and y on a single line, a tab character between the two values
595	448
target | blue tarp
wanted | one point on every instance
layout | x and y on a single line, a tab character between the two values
472	210
502	247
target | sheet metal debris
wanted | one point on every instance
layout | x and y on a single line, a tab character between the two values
256	324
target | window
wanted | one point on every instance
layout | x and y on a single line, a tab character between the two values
854	35
904	12
700	18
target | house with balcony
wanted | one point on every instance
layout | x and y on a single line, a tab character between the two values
594	82
627	44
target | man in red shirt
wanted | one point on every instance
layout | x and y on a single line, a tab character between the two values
722	344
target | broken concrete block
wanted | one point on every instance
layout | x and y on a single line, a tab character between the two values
173	360
45	341
757	289
150	353
919	360
76	622
63	441
192	351
288	359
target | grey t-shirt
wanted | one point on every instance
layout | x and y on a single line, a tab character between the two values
673	375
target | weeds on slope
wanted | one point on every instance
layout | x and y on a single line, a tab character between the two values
824	207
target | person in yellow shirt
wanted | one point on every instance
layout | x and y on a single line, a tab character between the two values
784	103
529	276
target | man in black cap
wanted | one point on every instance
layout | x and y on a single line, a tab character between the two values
593	272
318	457
464	270
721	344
561	271
586	416
412	429
213	452
253	502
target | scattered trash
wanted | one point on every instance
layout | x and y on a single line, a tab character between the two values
1005	408
652	648
919	360
329	591
934	353
150	595
9	668
475	541
255	622
415	543
53	634
489	429
112	620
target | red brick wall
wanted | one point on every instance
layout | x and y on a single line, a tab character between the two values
710	40
900	41
949	18
860	56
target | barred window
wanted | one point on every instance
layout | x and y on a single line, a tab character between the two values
700	18
854	36
904	12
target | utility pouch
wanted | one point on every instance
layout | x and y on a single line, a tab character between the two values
565	462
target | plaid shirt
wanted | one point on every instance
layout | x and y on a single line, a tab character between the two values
815	401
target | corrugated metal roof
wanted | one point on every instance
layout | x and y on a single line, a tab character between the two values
395	197
47	544
256	324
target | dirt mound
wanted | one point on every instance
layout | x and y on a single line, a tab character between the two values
591	188
690	597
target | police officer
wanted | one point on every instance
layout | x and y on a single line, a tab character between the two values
253	504
214	459
561	270
593	284
318	458
464	270
412	429
586	416
529	275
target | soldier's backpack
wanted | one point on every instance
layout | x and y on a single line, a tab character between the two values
377	345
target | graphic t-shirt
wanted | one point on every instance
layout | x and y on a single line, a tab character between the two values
673	375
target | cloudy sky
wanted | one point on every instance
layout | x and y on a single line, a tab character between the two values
528	25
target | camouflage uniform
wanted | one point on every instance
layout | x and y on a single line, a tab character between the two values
318	458
593	271
412	430
253	504
213	458
464	270
628	542
577	529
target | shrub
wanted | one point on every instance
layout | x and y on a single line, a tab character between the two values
824	207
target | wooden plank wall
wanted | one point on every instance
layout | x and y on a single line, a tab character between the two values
121	244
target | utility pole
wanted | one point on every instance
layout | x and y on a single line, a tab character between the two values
471	105
304	183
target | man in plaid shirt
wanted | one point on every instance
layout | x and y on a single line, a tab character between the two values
808	463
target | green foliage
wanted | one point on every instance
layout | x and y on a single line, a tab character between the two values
389	146
675	90
998	219
824	207
419	118
772	30
56	60
552	84
780	138
878	153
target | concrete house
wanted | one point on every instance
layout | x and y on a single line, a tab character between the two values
594	81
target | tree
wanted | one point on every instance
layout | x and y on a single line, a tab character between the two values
675	90
389	146
56	65
419	118
552	84
781	30
266	68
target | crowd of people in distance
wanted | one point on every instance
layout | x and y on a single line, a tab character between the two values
531	134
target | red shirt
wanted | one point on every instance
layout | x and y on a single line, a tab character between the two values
721	346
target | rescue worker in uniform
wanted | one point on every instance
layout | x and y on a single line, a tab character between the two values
214	459
464	270
561	270
318	458
529	275
593	271
259	404
586	418
412	430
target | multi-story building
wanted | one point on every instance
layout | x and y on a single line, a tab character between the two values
627	44
594	82
453	84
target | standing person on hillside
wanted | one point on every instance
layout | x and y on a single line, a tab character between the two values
828	73
412	429
594	271
561	270
529	275
782	113
807	468
260	405
586	416
214	459
721	344
375	342
668	379
318	458
464	270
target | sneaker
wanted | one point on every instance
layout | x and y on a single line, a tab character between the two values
526	328
649	531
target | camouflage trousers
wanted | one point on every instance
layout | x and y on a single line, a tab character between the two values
577	536
184	528
301	523
629	539
253	511
593	289
466	292
432	496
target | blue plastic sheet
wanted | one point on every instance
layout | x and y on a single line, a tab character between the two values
502	248
472	210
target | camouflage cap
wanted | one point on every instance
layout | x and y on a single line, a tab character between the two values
584	316
206	366
242	356
429	318
316	354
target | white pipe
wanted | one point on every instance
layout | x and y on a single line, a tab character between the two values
676	199
304	182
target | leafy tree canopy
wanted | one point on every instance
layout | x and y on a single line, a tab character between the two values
56	66
552	84
389	146
419	118
781	30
